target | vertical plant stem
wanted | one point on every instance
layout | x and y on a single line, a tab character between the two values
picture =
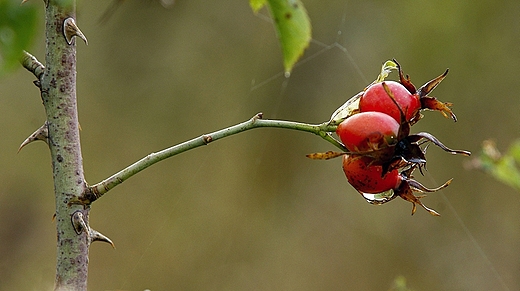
58	88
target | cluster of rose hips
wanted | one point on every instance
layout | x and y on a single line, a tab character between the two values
381	153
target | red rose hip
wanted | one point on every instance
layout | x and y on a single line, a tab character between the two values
366	177
377	99
368	131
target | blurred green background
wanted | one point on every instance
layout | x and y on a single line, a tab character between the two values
250	212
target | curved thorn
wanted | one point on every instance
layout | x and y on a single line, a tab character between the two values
70	30
78	222
41	133
438	143
97	236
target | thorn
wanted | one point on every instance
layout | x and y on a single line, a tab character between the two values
97	236
41	133
78	222
70	30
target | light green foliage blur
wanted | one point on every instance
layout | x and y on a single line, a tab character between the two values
502	166
17	30
400	284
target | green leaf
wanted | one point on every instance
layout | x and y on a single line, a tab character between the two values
293	27
257	4
17	30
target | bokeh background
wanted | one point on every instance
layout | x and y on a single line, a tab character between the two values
250	212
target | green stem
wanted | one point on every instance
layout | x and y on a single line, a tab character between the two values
99	189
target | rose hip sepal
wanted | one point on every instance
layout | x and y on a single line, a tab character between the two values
427	102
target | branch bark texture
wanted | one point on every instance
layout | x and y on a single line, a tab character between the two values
58	91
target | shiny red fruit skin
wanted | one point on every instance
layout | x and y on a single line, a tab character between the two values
375	98
366	177
368	131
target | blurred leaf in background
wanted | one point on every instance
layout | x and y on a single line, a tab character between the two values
293	27
503	167
17	30
116	3
400	284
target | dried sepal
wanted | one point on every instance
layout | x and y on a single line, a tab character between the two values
431	103
438	143
405	80
418	187
405	191
346	110
325	156
430	85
